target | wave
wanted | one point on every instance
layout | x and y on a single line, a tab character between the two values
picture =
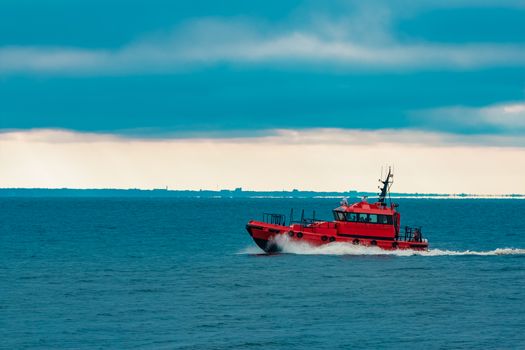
338	248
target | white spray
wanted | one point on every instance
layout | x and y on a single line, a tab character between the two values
337	248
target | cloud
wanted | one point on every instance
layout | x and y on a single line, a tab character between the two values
325	159
48	59
308	136
506	117
359	40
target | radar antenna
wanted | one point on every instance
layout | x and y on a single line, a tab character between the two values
385	189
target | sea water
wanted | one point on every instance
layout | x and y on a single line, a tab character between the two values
184	274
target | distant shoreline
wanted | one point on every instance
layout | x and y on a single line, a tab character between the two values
237	193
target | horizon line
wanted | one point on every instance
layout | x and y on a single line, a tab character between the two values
241	190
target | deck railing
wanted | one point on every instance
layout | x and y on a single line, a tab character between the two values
274	219
308	222
280	219
411	234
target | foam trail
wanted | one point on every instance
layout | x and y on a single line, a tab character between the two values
337	248
251	250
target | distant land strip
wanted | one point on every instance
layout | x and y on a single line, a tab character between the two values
236	193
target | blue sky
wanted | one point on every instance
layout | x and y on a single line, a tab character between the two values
234	69
228	91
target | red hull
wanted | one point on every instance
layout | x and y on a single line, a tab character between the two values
264	235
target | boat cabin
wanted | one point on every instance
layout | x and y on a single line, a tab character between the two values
367	219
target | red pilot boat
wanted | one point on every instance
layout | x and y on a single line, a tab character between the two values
367	224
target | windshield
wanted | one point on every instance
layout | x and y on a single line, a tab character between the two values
352	217
339	215
363	217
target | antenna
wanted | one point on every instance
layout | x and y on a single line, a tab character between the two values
385	189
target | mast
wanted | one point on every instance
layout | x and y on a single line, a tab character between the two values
386	186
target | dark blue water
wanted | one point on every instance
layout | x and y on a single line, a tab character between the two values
179	274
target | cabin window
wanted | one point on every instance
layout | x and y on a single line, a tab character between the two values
339	215
363	217
384	219
352	217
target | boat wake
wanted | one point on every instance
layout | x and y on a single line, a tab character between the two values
337	248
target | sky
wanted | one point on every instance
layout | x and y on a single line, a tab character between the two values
263	95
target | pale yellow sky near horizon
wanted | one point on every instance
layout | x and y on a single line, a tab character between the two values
321	159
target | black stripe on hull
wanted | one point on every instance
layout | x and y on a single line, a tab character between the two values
249	228
421	246
268	247
367	237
